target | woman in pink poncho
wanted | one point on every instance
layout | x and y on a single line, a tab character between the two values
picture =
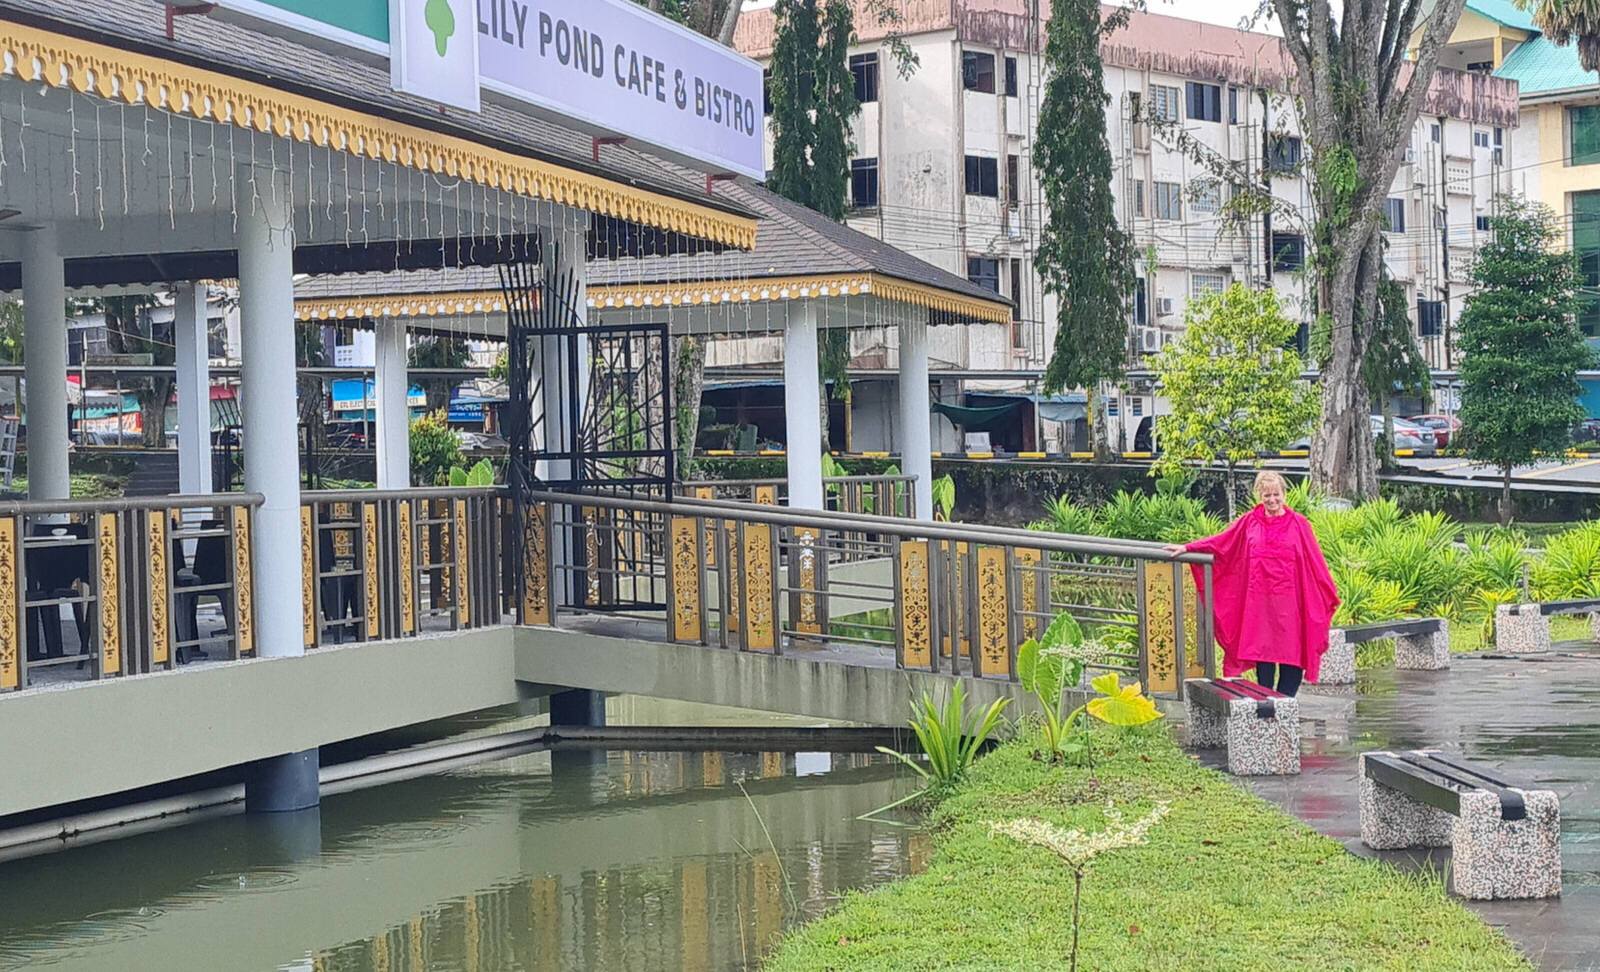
1272	594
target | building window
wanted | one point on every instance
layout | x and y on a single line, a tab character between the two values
1111	406
1483	224
1583	135
1016	302
865	69
1168	200
1395	209
1136	406
1586	243
1011	77
1480	67
766	92
863	183
1499	137
1283	154
1206	196
1480	139
1201	284
977	71
1288	251
1233	105
1205	102
1163	103
1433	132
1430	318
1013	176
983	176
984	272
1138	197
1141	305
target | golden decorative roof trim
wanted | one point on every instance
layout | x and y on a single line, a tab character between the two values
108	72
754	290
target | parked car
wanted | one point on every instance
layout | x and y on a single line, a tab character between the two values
1417	439
1586	431
1445	427
482	442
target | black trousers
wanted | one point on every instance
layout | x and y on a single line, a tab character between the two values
1284	678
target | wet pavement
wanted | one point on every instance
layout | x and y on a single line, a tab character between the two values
1536	718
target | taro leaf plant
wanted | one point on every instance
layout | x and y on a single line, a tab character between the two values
1055	663
944	497
481	474
950	737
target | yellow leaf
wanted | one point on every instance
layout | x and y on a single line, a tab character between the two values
1106	684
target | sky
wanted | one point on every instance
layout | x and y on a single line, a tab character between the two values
1228	13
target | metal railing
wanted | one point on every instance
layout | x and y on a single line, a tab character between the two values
133	573
871	495
941	597
381	564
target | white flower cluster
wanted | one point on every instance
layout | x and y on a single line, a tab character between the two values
1076	847
1087	652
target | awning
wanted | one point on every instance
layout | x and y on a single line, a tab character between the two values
973	418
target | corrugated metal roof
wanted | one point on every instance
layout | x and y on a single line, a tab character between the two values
1503	12
1538	66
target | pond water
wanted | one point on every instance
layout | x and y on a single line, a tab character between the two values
574	860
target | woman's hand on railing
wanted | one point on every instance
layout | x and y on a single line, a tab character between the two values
1174	549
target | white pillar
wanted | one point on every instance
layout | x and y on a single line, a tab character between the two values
390	389
189	330
271	442
802	404
44	333
571	238
916	419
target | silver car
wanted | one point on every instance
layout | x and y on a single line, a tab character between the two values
1408	436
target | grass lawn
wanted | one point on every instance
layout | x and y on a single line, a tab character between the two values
1226	881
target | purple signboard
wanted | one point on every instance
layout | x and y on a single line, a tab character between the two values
619	68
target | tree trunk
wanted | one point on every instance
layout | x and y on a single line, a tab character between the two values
1343	462
688	384
1231	489
1387	461
730	20
1099	434
153	412
1505	496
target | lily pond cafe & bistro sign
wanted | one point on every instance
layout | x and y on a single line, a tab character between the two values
608	67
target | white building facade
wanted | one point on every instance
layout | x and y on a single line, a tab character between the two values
943	169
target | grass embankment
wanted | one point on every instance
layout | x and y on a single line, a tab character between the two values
1226	881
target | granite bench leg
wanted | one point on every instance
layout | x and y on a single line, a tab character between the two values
1207	729
1521	628
1339	661
1425	652
1594	625
1494	858
1263	747
1390	820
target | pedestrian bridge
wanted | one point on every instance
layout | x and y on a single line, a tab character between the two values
128	656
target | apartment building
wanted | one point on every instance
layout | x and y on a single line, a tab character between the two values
1557	146
943	169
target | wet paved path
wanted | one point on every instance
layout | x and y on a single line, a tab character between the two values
1536	717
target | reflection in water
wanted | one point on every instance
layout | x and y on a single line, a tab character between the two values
694	861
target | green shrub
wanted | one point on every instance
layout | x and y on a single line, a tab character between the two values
435	447
1570	568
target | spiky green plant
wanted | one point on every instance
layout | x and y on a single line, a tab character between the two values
1571	565
950	737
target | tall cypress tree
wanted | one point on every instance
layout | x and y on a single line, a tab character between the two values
1521	349
1085	259
813	102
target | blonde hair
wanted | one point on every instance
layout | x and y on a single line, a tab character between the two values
1266	476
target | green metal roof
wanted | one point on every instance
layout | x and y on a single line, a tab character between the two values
1503	12
1539	66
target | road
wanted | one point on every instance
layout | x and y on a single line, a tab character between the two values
1583	472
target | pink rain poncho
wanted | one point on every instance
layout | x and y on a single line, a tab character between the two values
1273	596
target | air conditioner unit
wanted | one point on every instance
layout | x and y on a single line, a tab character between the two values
1149	340
1163	306
1410	156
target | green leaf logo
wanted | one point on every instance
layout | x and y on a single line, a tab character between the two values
442	21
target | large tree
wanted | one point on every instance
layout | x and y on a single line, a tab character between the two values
1359	95
813	102
1393	362
1085	258
1521	346
438	353
130	330
1235	388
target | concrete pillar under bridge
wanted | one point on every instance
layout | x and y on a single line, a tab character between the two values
916	417
44	334
266	306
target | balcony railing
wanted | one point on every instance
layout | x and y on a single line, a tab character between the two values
870	495
147	583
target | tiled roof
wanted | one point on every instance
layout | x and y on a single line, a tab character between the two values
791	240
204	41
1538	66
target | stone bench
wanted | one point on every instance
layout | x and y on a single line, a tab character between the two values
1504	839
1420	644
1520	628
1259	727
